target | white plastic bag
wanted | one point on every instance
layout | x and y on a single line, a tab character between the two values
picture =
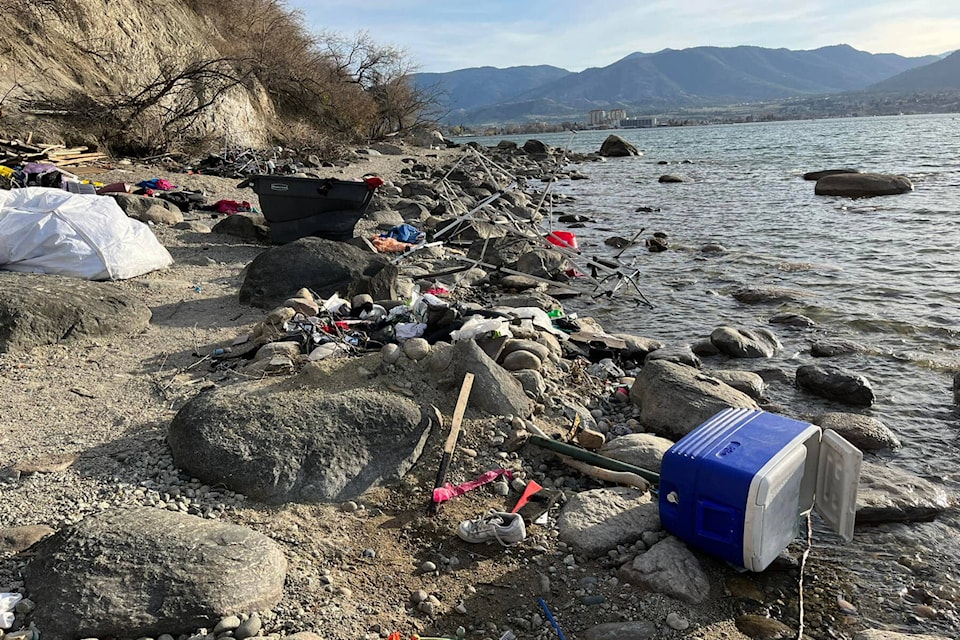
479	327
8	601
79	235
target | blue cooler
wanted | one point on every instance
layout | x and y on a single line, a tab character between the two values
737	485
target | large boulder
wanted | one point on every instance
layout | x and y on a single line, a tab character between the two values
739	342
535	147
323	266
834	383
246	226
542	263
144	572
596	521
674	399
293	444
38	309
643	450
863	432
669	567
749	382
137	206
862	185
500	252
495	391
616	147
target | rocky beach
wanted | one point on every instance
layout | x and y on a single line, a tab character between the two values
246	443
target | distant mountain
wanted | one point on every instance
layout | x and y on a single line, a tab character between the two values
943	74
479	86
665	80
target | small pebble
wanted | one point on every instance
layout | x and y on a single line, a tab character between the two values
461	608
675	621
418	596
248	628
369	553
592	600
501	488
348	507
428	567
227	624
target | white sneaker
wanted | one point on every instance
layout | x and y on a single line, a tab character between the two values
505	528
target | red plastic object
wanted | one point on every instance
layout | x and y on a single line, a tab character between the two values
564	239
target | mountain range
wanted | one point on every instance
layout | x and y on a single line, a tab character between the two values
656	83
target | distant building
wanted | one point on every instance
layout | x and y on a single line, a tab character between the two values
638	123
616	115
597	117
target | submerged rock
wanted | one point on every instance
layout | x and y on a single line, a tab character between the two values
816	175
745	343
616	147
862	185
888	494
834	383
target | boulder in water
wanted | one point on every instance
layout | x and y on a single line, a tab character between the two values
862	185
616	147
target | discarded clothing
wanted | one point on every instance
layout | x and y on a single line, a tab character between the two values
407	330
230	207
389	245
185	200
157	183
8	601
115	187
448	491
405	233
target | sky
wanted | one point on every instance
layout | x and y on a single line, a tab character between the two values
445	35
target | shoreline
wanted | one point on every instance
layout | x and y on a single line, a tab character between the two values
132	386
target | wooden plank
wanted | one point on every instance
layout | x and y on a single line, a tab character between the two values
452	437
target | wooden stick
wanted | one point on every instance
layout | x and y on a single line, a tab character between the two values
452	438
618	477
593	458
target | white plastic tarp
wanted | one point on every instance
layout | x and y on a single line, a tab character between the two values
84	236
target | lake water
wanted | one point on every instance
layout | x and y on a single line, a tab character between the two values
883	272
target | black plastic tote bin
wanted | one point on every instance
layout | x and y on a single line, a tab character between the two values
300	207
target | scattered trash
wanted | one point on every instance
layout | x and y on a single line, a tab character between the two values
551	619
773	464
8	602
505	528
452	438
449	492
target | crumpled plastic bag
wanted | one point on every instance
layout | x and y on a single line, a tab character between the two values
478	327
7	603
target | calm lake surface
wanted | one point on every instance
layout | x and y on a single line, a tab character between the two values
883	272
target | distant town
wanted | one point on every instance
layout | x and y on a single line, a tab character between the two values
845	105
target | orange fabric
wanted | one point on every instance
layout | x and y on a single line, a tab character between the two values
389	245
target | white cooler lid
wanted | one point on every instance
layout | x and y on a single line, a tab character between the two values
838	478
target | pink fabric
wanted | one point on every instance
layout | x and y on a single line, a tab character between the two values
448	491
